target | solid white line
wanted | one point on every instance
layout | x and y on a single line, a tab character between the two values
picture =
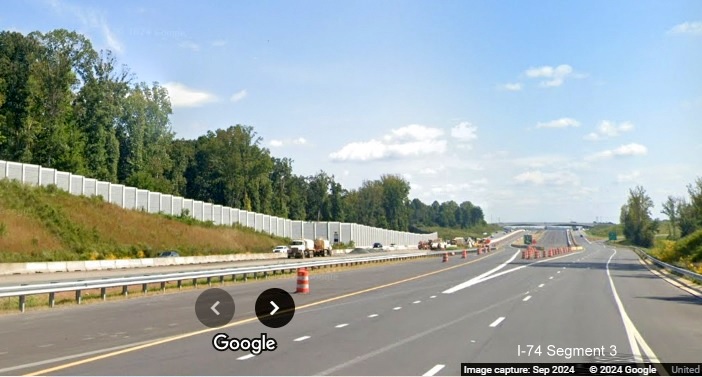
632	333
416	302
341	325
300	339
497	322
246	357
372	316
397	308
479	278
541	285
526	298
434	370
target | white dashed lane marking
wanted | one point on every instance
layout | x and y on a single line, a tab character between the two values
341	325
497	322
245	357
526	298
434	370
397	308
300	339
541	285
372	316
416	302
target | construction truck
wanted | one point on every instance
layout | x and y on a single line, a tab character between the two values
424	245
322	247
438	244
301	248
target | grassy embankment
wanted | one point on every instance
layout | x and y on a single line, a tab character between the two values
48	224
448	234
685	252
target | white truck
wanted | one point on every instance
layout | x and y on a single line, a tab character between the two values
322	247
301	248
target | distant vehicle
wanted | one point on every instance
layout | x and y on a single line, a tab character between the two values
169	253
377	245
281	249
302	248
322	247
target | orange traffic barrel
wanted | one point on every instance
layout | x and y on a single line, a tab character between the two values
303	280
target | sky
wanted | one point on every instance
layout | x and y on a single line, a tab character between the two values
533	110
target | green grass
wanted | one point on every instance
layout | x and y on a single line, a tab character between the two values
448	234
48	224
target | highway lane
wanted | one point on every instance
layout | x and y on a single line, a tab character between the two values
553	238
412	327
34	335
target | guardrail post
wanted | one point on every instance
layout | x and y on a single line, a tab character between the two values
245	276
22	300
265	274
103	293
52	299
234	278
125	291
144	288
163	286
209	281
221	279
79	297
180	284
195	283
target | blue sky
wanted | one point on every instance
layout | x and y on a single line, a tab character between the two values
534	110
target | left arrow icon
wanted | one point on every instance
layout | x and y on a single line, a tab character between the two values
275	306
214	306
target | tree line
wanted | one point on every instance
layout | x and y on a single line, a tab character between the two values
684	215
66	106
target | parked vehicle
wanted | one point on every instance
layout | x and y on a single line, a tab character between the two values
322	247
301	248
169	253
377	245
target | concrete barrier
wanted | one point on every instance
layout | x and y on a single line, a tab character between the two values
99	265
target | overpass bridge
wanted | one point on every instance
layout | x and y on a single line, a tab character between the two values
544	225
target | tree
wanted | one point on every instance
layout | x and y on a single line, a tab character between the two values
395	190
670	209
17	54
636	218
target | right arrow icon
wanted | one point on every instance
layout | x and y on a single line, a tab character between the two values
274	306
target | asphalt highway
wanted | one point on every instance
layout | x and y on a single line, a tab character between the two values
414	318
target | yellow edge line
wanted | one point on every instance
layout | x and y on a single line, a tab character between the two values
237	323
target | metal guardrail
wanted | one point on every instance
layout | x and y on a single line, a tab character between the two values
24	290
678	270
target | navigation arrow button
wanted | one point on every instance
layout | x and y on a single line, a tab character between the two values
214	306
275	306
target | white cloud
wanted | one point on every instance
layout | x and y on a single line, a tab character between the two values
628	177
218	43
539	178
280	143
409	141
464	132
238	96
632	149
182	96
190	45
552	76
559	123
512	87
608	129
694	28
535	162
91	19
